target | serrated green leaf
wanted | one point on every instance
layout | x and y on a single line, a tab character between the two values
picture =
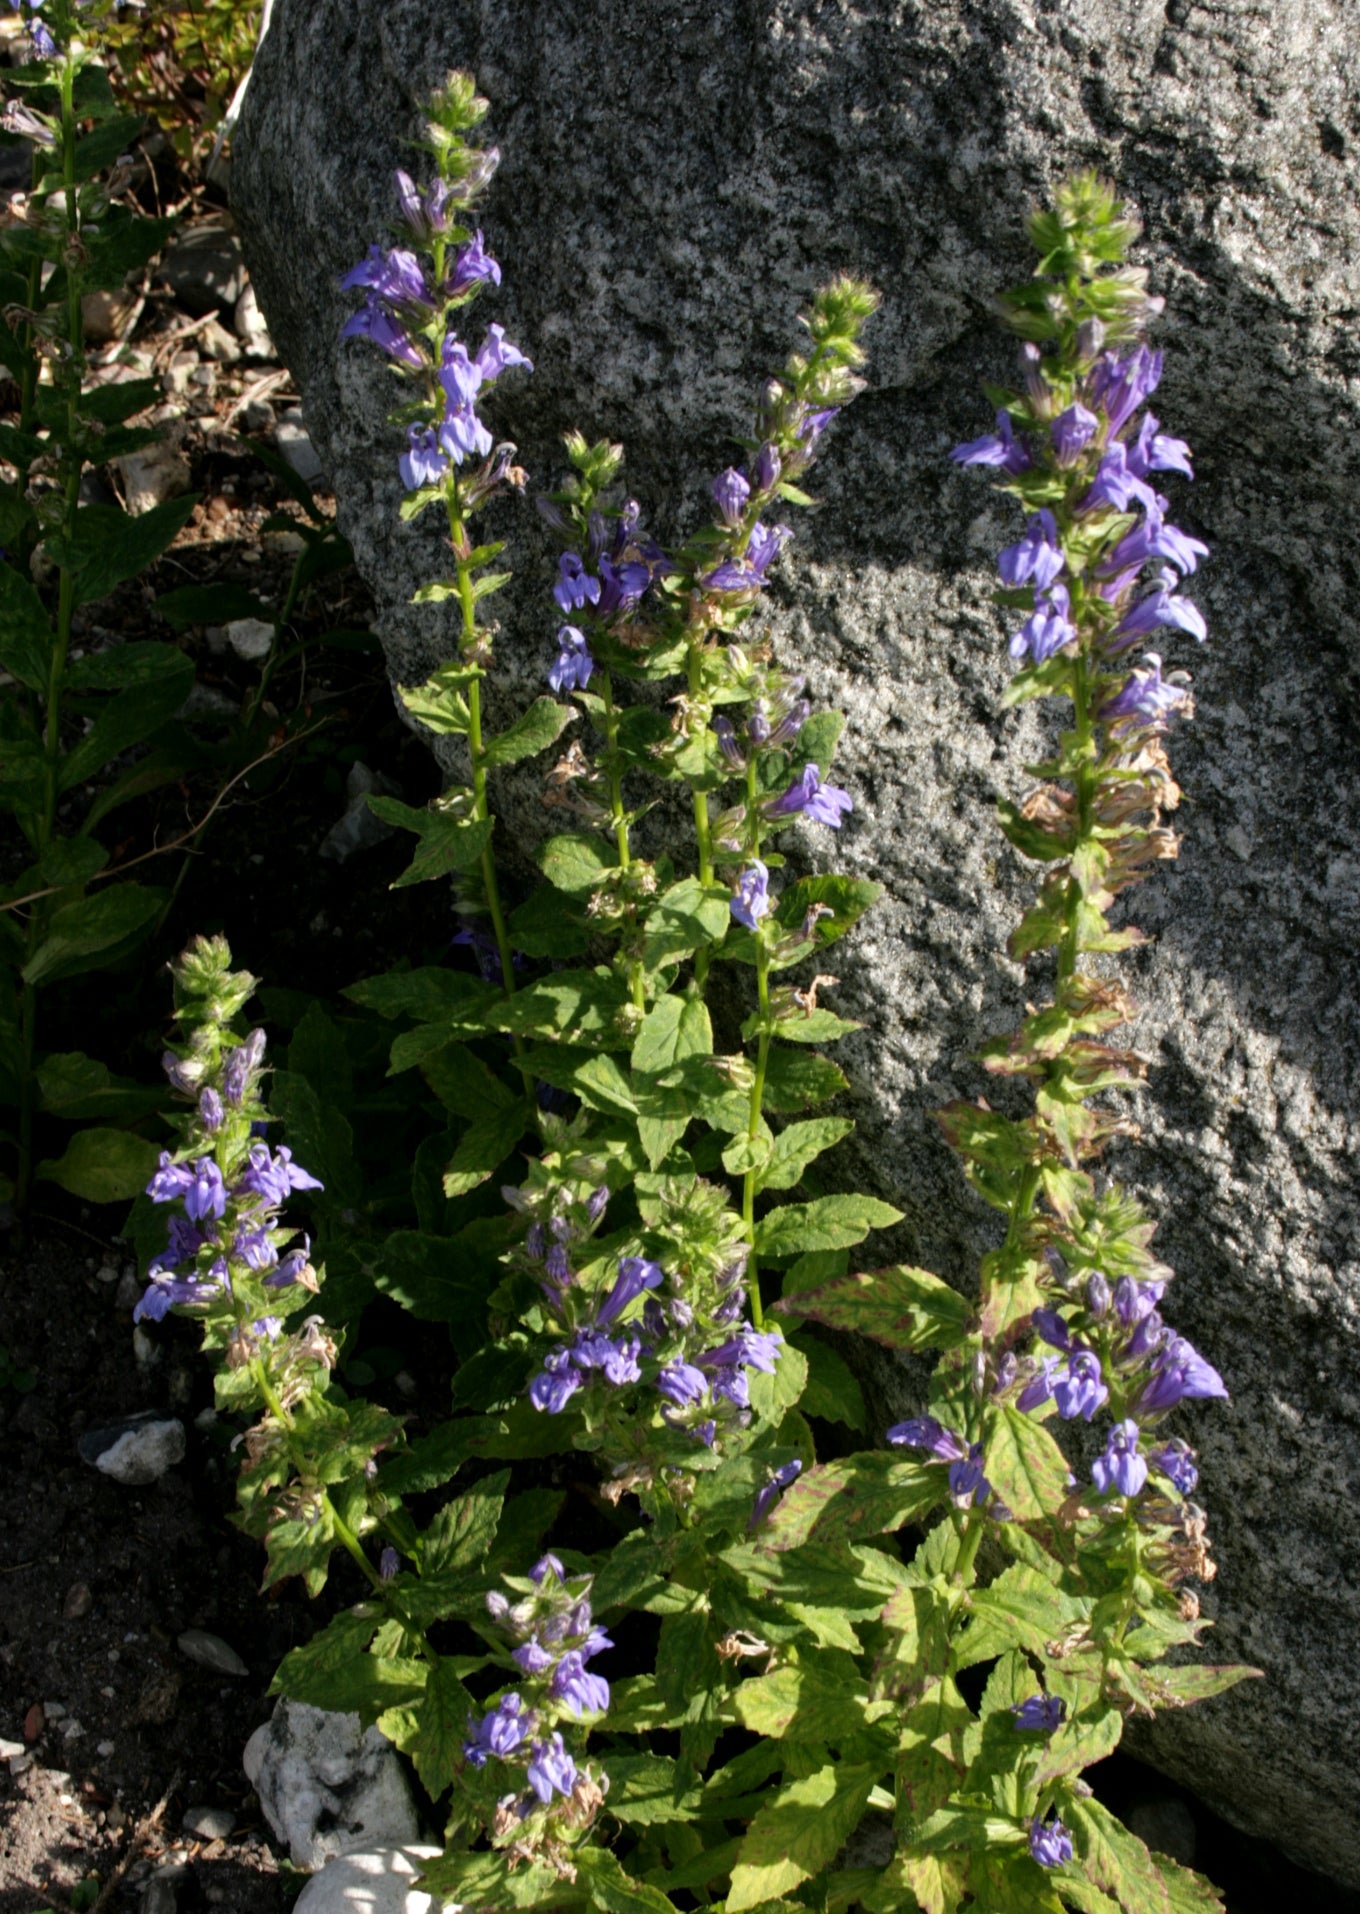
440	703
465	1085
547	926
430	994
830	1222
26	636
797	1145
446	843
304	1672
128	719
461	1534
92	927
569	1005
533	731
643	1790
103	1166
574	862
796	1080
904	1308
440	1279
674	1028
123	667
839	1502
799	1833
683	919
612	1889
821	1699
1021	1608
489	582
1024	1464
484	1147
107	545
831	1391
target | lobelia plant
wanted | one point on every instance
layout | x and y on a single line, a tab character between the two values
960	1685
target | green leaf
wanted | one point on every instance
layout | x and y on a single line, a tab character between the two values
441	1724
568	1005
442	1279
103	1166
129	718
1118	1863
211	605
112	404
366	1685
797	1145
674	1028
795	1081
304	1672
683	919
813	1026
78	1089
125	667
124	244
439	703
821	1699
612	1889
489	582
318	1134
831	1391
94	151
461	1534
546	926
799	1833
574	863
1024	1464
431	995
903	1307
1021	1608
1195	1681
437	1457
830	1222
446	843
484	1147
840	1502
90	928
26	636
643	1790
107	545
533	731
467	1086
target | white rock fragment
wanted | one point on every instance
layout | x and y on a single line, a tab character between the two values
375	1881
326	1786
136	1452
250	638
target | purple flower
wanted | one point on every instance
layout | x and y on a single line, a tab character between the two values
1120	1467
240	1066
571	668
682	1384
545	1566
756	1348
766	1498
1050	1325
1098	1296
291	1266
211	1110
727	743
730	494
764	546
1072	431
163	1292
472	265
967	1483
205	1193
555	1384
551	1767
1120	386
731	575
532	1658
995	448
500	1732
1115	484
635	1275
824	803
1080	1392
423	463
1147	699
388	1564
496	354
1154	538
170	1182
253	1246
425	214
1134	1302
1176	1460
373	321
1037	558
751	900
575	586
273	1177
577	1688
622	585
1041	1714
1158	608
767	469
924	1432
462	434
1049	1842
616	1361
1179	1372
1152	451
394	276
1047	629
461	377
1039	1389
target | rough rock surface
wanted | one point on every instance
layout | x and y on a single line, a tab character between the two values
326	1786
676	178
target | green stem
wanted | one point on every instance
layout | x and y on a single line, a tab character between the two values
748	1188
972	1538
637	983
1085	782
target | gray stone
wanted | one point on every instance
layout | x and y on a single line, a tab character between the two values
327	1786
377	1881
250	638
1166	1824
203	266
151	476
251	329
137	1450
360	827
653	263
294	441
209	1824
210	1651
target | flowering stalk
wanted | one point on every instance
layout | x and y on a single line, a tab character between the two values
415	295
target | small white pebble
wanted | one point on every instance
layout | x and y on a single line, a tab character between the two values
105	1748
